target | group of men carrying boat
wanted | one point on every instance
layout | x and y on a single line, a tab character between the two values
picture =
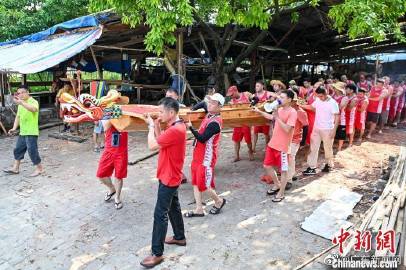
309	114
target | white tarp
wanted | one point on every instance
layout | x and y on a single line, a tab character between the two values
332	214
32	57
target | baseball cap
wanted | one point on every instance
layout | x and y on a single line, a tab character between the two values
381	80
217	97
231	90
292	82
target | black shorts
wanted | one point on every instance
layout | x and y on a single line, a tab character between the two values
373	117
340	133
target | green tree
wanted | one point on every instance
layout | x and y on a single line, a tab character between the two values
358	17
376	18
22	17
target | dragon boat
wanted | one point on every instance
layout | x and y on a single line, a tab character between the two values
131	117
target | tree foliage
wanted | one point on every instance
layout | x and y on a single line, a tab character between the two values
369	18
376	18
163	16
22	17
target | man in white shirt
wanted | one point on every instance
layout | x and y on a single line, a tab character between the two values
325	126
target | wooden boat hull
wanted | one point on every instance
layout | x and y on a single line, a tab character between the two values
233	116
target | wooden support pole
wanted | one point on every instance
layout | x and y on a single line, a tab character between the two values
99	71
205	45
197	50
24	79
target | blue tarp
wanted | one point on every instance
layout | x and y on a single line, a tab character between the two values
113	66
81	22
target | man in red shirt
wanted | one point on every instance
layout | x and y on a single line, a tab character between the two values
261	95
171	144
276	155
375	106
205	157
114	158
244	132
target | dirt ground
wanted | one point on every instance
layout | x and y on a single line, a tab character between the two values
60	221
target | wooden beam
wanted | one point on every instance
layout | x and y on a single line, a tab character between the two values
99	71
117	48
204	45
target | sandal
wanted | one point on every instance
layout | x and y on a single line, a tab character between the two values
10	171
272	191
118	205
108	196
191	214
278	199
215	210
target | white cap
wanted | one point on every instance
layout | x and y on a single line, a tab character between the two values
217	97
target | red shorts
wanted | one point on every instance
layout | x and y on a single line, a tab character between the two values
360	118
242	132
110	162
276	159
261	129
202	177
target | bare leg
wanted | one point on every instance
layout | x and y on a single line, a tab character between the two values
250	151
118	186
198	199
38	170
96	145
5	131
272	173
351	139
267	139
254	145
372	127
107	182
217	200
361	134
237	146
284	180
16	166
340	144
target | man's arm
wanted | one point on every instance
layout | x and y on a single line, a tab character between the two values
212	129
16	125
26	105
336	122
307	107
264	114
152	142
283	125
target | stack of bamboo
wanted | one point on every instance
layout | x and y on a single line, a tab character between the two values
387	213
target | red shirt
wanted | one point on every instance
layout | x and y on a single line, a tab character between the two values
300	122
375	106
121	143
242	99
265	96
171	155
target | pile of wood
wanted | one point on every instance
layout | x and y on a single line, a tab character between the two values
387	213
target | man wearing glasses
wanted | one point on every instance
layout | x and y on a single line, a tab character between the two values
27	120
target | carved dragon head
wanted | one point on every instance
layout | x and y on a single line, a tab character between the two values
88	108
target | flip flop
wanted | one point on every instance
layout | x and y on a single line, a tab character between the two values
108	196
215	210
118	205
191	214
272	191
276	200
10	171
